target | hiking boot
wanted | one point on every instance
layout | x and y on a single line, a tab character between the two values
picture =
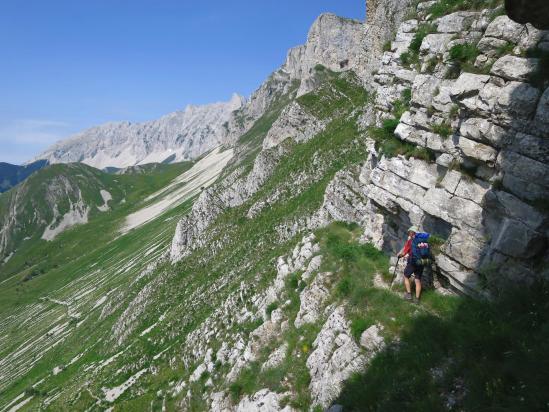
408	296
416	300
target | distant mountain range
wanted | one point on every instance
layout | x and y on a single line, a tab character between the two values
178	136
10	175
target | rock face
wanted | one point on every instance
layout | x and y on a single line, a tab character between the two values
175	137
334	42
490	172
335	357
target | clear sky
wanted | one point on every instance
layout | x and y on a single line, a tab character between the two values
72	64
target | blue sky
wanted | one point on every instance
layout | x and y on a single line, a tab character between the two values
69	65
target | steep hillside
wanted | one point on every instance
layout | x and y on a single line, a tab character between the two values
263	278
10	175
178	136
51	201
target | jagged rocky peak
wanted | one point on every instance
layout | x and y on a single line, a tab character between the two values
177	136
333	41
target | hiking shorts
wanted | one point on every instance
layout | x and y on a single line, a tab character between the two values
411	269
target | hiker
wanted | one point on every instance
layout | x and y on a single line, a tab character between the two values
414	265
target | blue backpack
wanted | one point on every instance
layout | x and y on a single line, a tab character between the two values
421	251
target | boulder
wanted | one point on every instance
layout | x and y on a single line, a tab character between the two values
474	190
263	401
435	43
334	359
476	150
312	299
534	147
468	84
542	114
505	29
524	168
460	212
459	277
456	22
515	68
502	203
516	101
483	130
423	89
465	248
489	46
371	339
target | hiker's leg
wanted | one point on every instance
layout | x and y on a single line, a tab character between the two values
407	284
418	275
408	271
418	288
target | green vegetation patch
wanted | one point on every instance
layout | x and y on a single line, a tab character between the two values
444	7
478	355
338	93
443	129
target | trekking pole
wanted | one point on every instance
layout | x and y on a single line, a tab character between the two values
394	272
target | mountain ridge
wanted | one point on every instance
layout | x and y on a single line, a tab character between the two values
176	136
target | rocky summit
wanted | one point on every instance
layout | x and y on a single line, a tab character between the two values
260	274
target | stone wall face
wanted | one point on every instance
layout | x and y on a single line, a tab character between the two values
487	191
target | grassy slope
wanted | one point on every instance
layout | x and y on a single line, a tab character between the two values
39	256
196	286
81	258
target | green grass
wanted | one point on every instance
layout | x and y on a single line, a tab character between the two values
444	7
497	351
335	96
464	55
389	145
442	129
40	256
410	57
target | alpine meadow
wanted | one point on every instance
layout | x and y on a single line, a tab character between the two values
368	231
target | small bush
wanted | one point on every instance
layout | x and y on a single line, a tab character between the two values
344	287
422	32
505	49
464	56
358	326
270	308
236	390
443	129
387	46
407	96
293	281
464	52
444	7
390	125
436	242
409	59
454	111
431	65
